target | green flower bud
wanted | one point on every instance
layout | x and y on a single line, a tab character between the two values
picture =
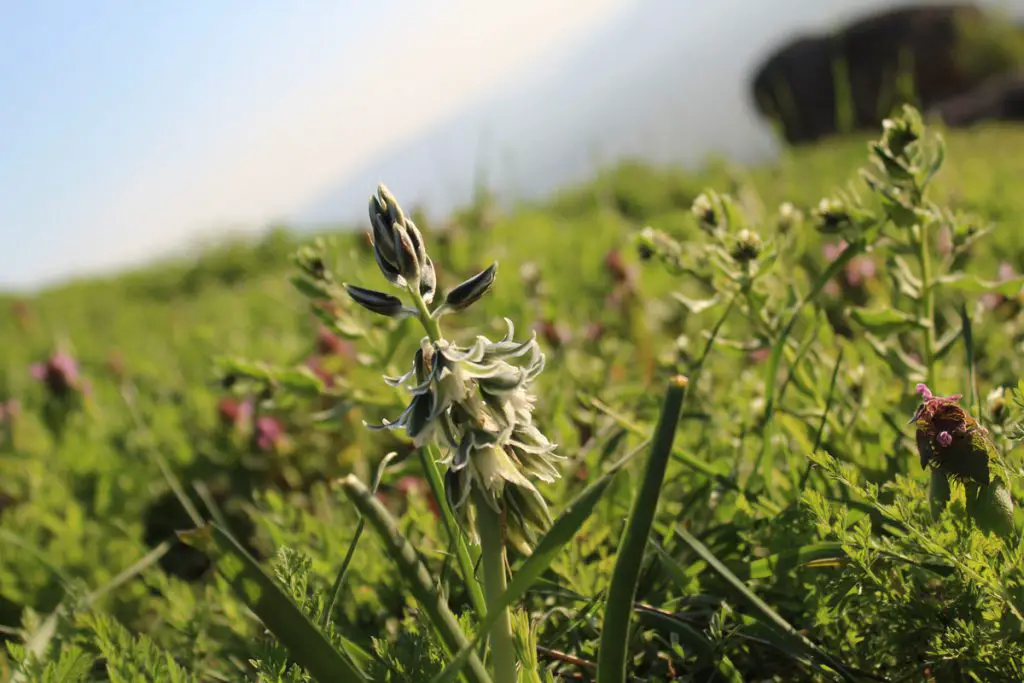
708	213
747	247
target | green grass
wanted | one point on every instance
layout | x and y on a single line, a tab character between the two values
792	534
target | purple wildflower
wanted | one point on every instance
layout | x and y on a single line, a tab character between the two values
60	374
268	434
233	412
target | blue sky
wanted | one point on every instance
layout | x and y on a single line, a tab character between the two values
130	128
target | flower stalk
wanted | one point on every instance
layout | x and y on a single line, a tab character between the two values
928	301
474	403
492	556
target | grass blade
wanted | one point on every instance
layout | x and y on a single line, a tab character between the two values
306	644
801	646
339	579
612	653
130	398
562	531
415	573
771	370
825	554
694	641
824	422
972	375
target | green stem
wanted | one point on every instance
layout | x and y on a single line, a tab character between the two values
429	324
772	366
492	552
929	303
428	459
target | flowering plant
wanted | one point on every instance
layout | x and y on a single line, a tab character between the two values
473	401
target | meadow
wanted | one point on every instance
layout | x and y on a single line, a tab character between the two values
693	426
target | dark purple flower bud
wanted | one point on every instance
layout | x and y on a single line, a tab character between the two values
377	302
397	243
470	291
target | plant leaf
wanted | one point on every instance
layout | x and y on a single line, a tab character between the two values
972	284
613	649
763	612
415	573
306	644
884	321
561	532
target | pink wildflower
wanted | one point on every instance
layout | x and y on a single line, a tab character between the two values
268	434
60	374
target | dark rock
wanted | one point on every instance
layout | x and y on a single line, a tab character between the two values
945	50
998	99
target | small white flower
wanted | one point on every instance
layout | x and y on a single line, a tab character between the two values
475	403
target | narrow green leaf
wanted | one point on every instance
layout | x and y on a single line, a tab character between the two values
309	288
771	370
972	370
763	612
612	652
339	579
808	555
307	646
680	456
562	531
972	284
693	640
884	321
415	573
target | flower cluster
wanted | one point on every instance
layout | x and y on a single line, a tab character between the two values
60	375
956	447
474	401
476	404
950	440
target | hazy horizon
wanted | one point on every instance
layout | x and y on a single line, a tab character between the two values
129	132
